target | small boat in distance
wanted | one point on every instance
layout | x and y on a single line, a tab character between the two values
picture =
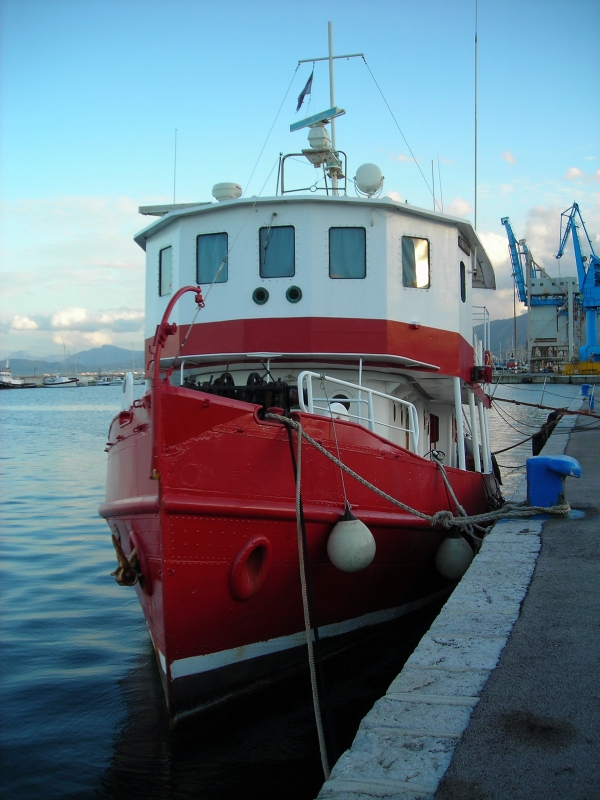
8	382
109	380
59	381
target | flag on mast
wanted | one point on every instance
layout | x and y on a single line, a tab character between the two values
307	90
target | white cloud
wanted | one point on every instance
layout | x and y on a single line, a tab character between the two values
64	339
69	319
83	320
401	157
508	157
395	196
21	323
458	208
98	338
496	246
575	174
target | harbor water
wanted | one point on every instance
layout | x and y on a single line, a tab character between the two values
81	707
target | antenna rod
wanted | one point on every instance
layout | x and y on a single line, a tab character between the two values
475	114
334	177
175	167
331	87
433	184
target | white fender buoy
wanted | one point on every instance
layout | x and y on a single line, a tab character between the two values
453	557
351	545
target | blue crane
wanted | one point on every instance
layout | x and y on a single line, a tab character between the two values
521	258
588	274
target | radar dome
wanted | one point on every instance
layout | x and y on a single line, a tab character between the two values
226	191
369	178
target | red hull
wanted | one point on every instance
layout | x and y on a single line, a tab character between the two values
216	534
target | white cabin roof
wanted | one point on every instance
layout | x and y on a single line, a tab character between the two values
484	280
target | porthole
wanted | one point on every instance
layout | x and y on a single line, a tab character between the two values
343	399
260	295
294	294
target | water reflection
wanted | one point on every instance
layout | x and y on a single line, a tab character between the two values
264	746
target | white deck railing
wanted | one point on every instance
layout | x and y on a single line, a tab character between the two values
363	411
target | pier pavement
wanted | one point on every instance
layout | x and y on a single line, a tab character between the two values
501	697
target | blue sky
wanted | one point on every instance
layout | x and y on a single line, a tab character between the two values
92	91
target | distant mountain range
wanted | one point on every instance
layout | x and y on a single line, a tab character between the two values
107	358
502	334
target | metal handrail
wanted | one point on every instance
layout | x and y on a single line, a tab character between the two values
481	316
305	383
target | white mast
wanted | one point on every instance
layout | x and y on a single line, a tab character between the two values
330	58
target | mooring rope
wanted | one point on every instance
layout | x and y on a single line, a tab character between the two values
307	625
468	530
445	518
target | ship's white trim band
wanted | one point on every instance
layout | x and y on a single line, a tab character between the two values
197	664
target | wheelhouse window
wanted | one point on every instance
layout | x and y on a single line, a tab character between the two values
165	271
463	282
347	253
415	262
277	246
211	258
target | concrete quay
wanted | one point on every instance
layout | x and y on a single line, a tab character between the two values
500	698
544	377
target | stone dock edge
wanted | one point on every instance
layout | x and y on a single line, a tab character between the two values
405	744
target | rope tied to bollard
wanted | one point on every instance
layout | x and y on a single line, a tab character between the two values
444	518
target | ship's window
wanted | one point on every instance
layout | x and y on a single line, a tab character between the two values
415	262
211	253
165	271
347	252
463	282
277	247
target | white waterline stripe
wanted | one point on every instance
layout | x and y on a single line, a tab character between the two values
193	665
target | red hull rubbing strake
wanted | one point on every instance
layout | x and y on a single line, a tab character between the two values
216	536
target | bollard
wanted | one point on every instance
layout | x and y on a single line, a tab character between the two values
587	390
546	479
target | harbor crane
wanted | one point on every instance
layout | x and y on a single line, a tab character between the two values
553	307
588	274
525	269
